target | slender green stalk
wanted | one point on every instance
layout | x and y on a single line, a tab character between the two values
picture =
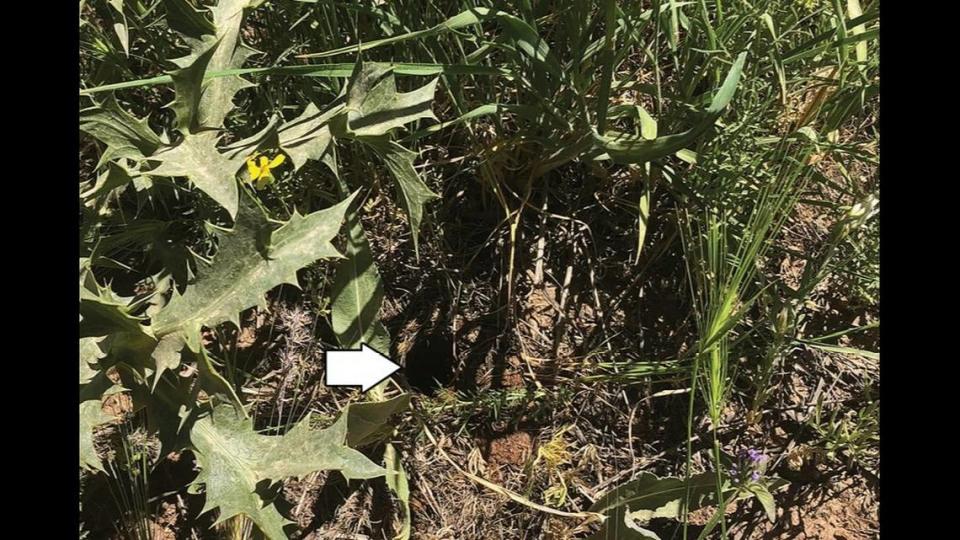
610	10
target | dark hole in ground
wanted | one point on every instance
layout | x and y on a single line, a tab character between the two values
430	363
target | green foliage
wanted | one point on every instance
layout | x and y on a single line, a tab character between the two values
124	135
398	484
240	263
632	505
91	416
358	294
850	436
197	159
707	118
234	459
251	260
374	107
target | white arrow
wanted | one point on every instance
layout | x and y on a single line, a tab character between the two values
363	367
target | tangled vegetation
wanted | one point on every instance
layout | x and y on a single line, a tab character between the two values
627	254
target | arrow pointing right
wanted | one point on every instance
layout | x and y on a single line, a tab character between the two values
363	367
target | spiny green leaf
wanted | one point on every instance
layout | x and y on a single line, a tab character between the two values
90	354
233	459
125	135
648	497
308	136
197	158
304	450
218	94
374	107
116	176
94	386
131	348
102	312
182	17
358	294
244	269
414	193
91	416
264	139
367	419
204	103
169	406
188	85
166	355
303	138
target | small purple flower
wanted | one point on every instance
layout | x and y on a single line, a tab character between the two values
755	476
756	456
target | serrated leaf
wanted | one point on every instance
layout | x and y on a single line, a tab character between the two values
302	139
182	17
197	158
188	84
91	416
94	383
90	354
304	450
210	379
358	294
218	94
233	459
374	107
308	136
103	313
647	497
169	407
204	104
131	348
116	176
414	193
166	355
245	269
125	135
264	139
365	419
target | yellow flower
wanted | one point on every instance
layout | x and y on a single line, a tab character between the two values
260	173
